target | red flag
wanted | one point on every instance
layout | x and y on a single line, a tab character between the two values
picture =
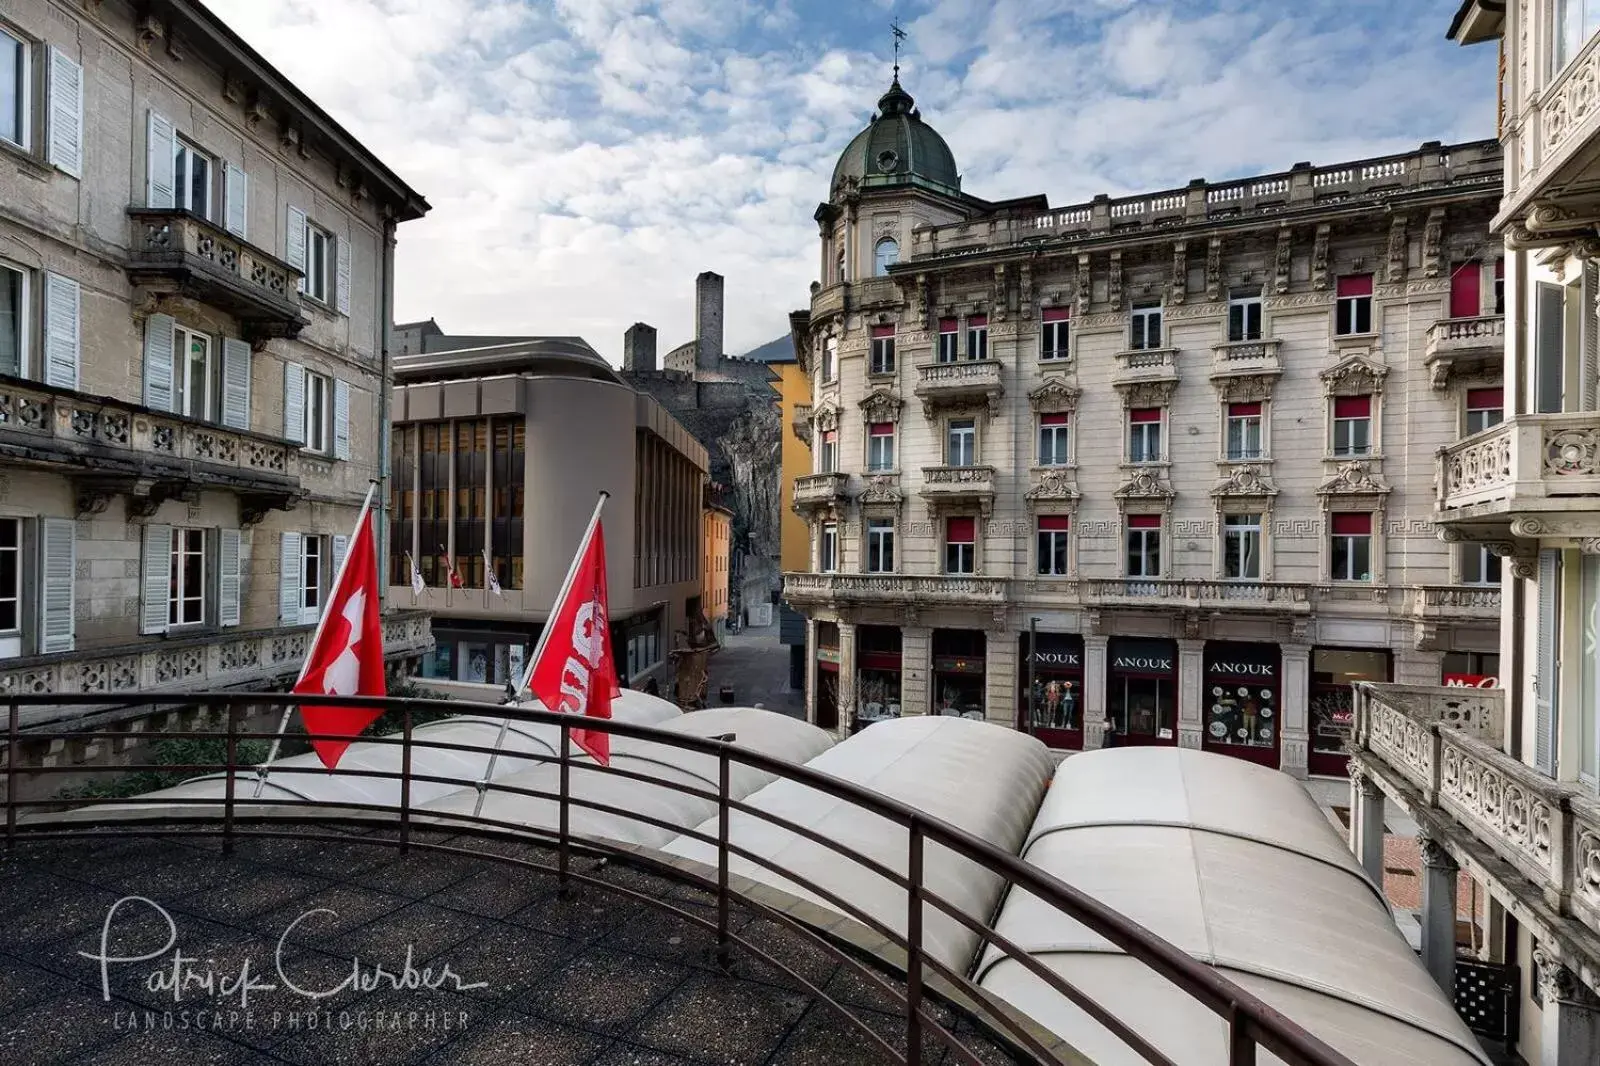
574	672
346	658
455	579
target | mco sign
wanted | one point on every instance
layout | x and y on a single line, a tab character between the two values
1470	681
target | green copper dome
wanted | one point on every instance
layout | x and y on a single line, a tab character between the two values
898	148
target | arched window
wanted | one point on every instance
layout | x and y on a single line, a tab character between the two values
886	256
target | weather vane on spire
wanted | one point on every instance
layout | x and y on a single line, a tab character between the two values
899	35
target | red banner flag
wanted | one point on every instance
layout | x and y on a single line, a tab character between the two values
574	672
346	657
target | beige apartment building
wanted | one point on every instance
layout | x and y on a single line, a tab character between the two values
1186	438
500	454
195	275
1504	784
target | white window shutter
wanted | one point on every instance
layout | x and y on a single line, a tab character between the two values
158	359
289	590
62	305
341	290
228	577
157	578
160	143
1547	681
235	383
236	190
294	242
341	547
294	402
65	136
341	419
57	602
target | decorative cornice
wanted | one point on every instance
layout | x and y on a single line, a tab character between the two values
1245	481
1354	375
1053	396
882	404
1355	478
1145	485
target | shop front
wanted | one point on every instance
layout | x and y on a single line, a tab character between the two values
958	672
1141	691
827	675
877	675
1052	690
1243	700
1470	669
1332	702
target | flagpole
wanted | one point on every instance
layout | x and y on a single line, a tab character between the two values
316	637
538	649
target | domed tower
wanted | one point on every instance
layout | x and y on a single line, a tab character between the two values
894	175
897	148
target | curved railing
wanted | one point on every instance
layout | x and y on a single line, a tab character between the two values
1251	1022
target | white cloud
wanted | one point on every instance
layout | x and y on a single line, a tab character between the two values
587	158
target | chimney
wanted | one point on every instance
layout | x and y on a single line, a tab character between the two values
639	348
708	320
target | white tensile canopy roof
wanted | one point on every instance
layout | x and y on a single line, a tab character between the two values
767	732
1236	865
983	778
524	743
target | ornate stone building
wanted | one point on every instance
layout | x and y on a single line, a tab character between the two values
1186	437
1504	784
195	276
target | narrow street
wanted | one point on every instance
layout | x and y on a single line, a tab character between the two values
757	667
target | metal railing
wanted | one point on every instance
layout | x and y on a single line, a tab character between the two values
1251	1023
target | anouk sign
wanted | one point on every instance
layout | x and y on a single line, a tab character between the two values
1227	669
1143	664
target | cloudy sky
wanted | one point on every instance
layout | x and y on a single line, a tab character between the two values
585	159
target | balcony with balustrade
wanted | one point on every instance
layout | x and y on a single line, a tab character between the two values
1439	754
941	386
818	492
1532	475
800	423
1146	366
1246	359
110	446
175	251
959	488
894	590
1277	597
1465	347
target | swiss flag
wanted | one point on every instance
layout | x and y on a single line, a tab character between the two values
346	657
573	671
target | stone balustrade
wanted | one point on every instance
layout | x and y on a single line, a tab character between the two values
815	491
1244	595
1464	346
959	486
1444	747
801	423
65	424
1246	359
959	383
1146	364
1528	462
895	589
217	659
1455	601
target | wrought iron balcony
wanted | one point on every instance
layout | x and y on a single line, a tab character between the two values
965	383
808	589
1465	346
958	487
111	446
1536	473
173	250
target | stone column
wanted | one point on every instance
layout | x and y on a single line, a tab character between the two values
847	677
1366	824
1093	697
1569	1023
1000	677
1413	667
1439	872
1295	741
1190	653
811	670
916	643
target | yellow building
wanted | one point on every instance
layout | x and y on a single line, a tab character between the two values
794	407
717	543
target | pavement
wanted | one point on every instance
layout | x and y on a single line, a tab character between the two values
757	667
483	961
